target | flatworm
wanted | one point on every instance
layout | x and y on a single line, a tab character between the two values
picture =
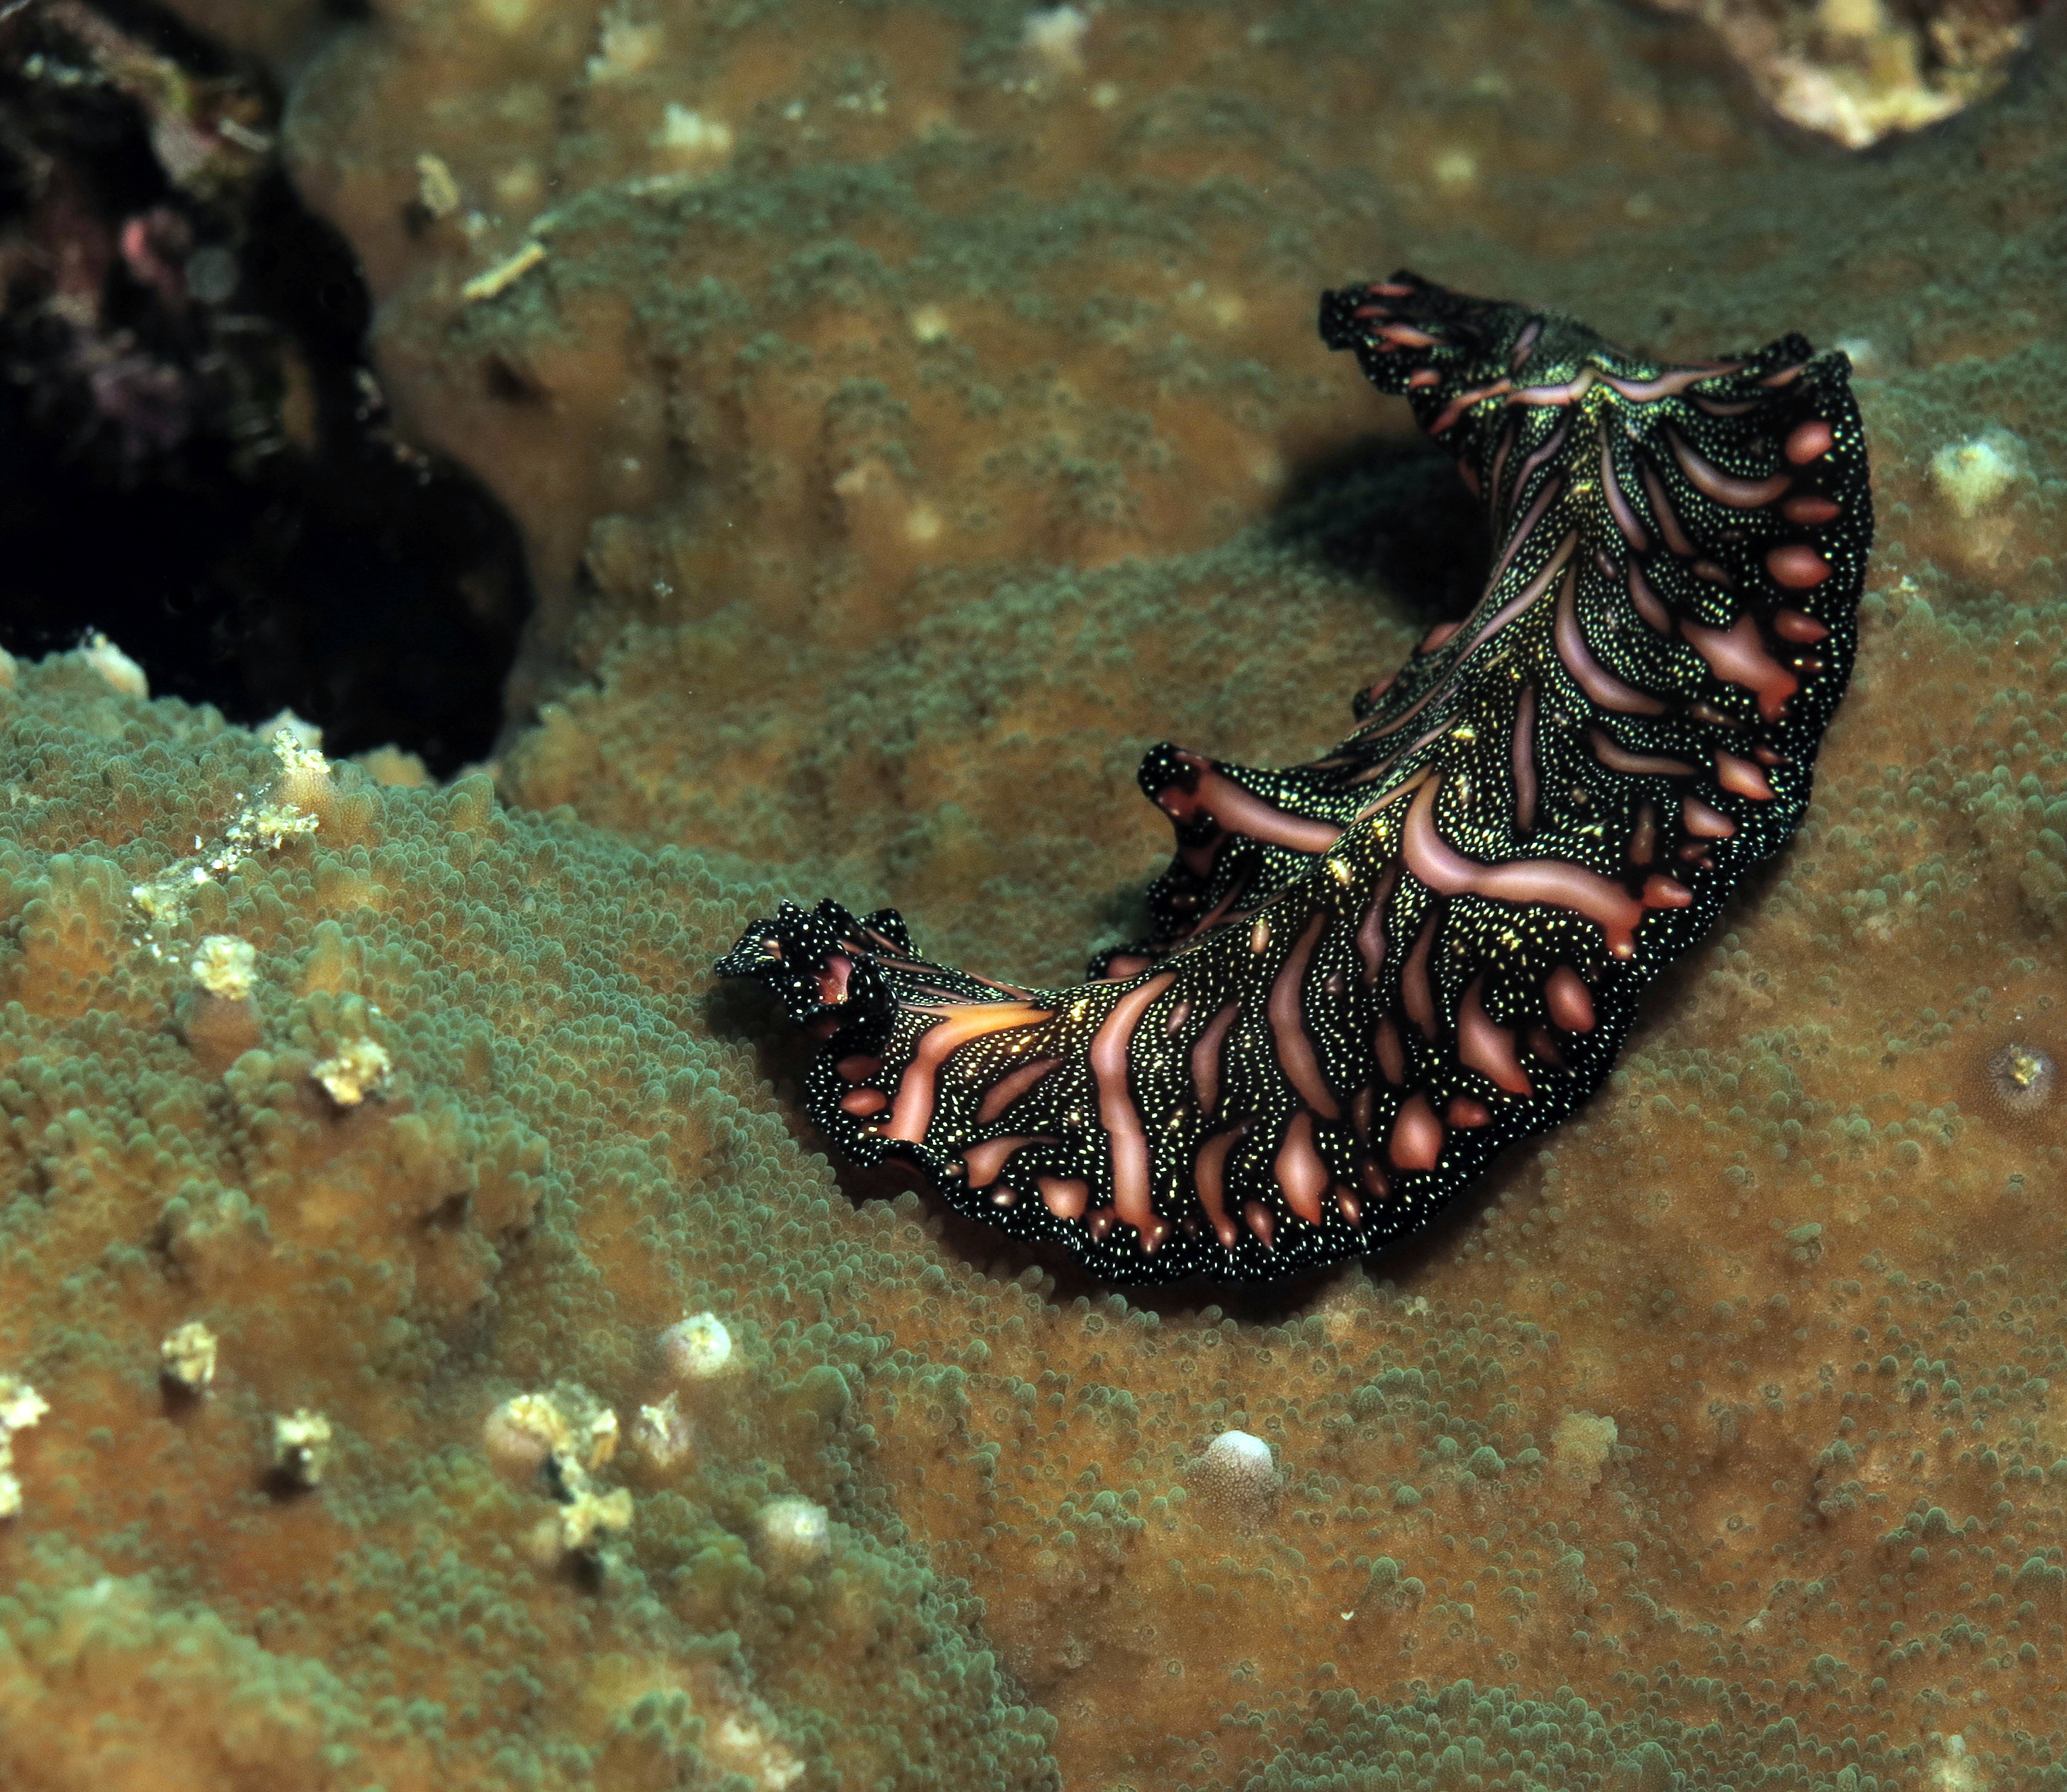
1372	973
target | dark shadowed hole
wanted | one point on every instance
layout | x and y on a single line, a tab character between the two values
194	457
1394	513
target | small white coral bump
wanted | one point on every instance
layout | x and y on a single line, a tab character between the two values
697	1347
794	1533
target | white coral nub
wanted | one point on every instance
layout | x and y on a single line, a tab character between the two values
305	778
20	1406
304	781
689	134
663	1434
567	1433
568	1426
590	1519
361	1068
1973	475
523	1431
302	1446
696	1347
226	966
1237	1475
284	814
744	1747
186	1359
1955	1771
1054	38
793	1532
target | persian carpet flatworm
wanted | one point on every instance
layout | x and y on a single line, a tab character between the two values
1371	973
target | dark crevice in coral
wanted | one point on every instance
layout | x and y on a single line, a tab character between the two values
1392	514
194	456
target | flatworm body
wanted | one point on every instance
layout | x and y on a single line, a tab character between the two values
1372	972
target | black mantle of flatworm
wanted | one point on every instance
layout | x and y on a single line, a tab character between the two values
1493	385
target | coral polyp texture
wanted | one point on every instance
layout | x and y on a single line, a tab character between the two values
1371	973
256	1376
897	468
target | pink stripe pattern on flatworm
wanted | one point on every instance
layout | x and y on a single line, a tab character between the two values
1370	974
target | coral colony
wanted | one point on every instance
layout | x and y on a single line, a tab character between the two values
1371	972
899	408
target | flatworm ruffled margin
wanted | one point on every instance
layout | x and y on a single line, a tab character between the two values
1371	973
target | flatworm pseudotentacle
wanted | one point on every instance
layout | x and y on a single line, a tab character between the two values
1372	973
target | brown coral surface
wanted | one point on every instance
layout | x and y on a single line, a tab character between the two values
912	415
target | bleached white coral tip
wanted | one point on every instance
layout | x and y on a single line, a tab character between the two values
186	1358
361	1068
226	966
302	1446
794	1532
697	1346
